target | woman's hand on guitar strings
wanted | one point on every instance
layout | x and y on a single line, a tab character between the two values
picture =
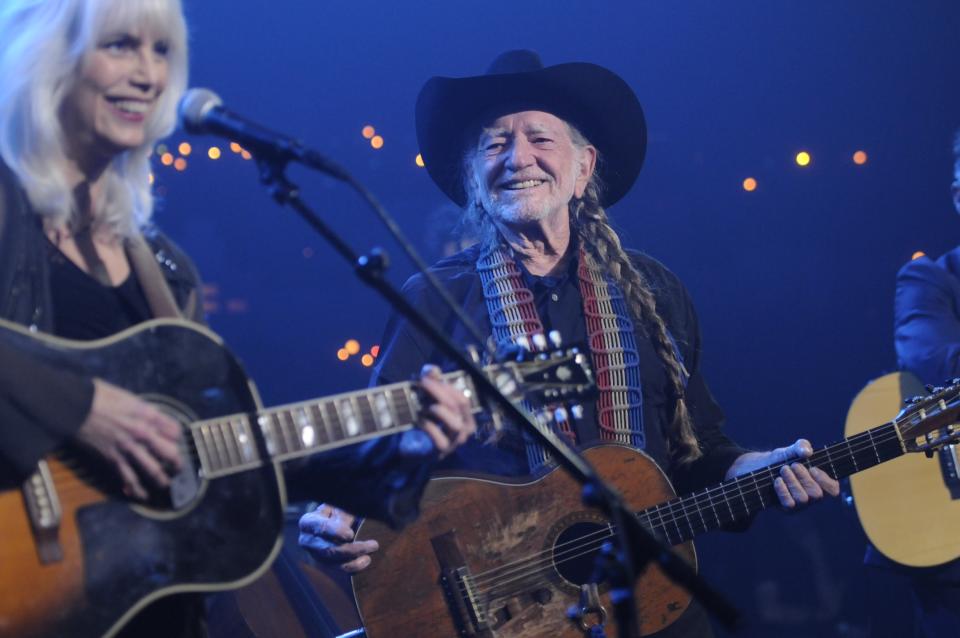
327	534
136	438
797	485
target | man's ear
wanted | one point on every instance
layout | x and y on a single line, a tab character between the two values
588	163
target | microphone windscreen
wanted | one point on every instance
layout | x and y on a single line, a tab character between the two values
194	106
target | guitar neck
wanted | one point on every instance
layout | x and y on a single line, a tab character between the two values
228	444
736	500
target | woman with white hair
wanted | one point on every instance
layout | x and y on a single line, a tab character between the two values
87	87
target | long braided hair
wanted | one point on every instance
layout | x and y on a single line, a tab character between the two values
589	223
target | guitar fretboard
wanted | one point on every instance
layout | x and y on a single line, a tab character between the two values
736	500
228	444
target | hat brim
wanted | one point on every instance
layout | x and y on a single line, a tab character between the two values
597	101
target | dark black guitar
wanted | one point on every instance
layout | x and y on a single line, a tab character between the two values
79	560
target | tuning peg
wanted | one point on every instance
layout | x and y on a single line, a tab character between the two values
555	339
577	411
473	353
539	341
560	414
523	342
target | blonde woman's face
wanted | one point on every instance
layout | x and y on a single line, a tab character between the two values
115	94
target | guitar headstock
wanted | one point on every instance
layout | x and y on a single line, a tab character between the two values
930	422
546	377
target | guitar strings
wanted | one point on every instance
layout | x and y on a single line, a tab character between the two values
522	568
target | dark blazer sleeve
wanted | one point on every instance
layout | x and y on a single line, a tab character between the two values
675	305
926	321
40	407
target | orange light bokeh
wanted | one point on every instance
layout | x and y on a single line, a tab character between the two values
352	346
375	351
235	147
342	354
376	142
185	149
368	131
180	164
860	158
213	153
749	184
166	159
918	255
366	360
419	160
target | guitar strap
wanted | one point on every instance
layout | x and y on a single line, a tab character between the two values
144	264
610	331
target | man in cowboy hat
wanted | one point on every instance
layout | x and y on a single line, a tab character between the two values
534	155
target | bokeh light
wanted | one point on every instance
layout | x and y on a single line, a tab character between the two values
918	255
185	149
342	354
749	184
803	158
180	164
166	159
213	153
352	346
860	158
419	160
376	142
366	360
368	131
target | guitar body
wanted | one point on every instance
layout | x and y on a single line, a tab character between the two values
117	557
528	532
905	506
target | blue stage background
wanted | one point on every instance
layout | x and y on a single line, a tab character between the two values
793	281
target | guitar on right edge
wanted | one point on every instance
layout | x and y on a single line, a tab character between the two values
909	507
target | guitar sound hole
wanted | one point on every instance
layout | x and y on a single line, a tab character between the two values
575	551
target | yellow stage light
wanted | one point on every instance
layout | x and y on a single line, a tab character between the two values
749	184
366	360
185	148
352	346
803	158
419	160
376	142
342	354
213	153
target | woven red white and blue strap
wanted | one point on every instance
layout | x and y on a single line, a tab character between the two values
612	341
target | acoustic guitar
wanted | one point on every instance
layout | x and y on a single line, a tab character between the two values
493	557
79	560
909	508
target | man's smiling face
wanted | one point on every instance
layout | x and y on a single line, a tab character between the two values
526	167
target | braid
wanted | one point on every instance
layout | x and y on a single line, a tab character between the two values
603	245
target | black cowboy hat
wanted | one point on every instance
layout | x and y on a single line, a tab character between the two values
597	101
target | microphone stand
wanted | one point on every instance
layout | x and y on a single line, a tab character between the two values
637	546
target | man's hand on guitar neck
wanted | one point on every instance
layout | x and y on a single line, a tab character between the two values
796	486
328	532
136	438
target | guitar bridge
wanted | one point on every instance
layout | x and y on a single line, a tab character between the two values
43	509
458	588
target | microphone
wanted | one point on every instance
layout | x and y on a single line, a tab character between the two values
202	112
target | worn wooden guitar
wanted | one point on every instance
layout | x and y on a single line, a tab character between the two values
493	558
78	560
909	508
